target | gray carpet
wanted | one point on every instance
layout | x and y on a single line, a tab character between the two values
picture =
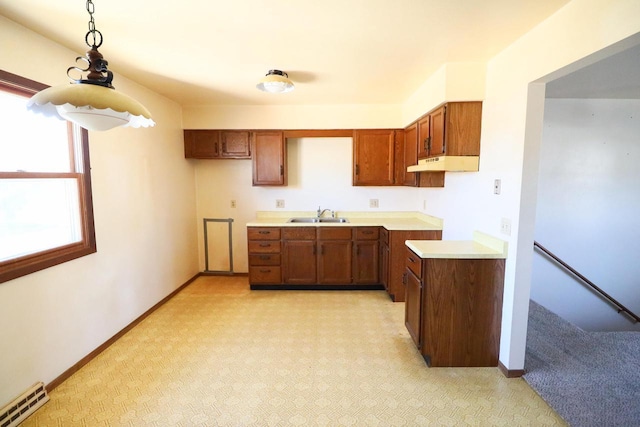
589	378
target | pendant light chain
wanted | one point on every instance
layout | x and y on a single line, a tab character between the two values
96	36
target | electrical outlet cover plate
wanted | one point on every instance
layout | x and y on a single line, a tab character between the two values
279	203
373	203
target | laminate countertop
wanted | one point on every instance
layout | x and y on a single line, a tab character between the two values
388	220
483	246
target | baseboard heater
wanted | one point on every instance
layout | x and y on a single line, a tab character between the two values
24	405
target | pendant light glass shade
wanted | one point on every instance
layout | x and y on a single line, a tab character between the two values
91	106
92	102
276	81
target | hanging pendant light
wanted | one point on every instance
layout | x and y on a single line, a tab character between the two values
275	81
92	103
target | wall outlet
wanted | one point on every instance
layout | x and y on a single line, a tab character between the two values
373	203
233	203
497	186
505	226
280	203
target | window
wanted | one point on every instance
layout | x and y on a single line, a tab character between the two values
46	211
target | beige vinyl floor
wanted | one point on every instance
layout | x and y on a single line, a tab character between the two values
218	354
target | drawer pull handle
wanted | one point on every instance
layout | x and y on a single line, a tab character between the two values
411	259
265	270
265	245
367	232
264	232
265	257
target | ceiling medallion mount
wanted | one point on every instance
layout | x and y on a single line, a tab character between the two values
275	81
91	102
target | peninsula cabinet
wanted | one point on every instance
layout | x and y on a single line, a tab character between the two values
454	309
217	144
269	158
396	255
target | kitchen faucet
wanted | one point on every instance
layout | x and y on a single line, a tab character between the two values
320	212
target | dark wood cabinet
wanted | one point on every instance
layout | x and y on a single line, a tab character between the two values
384	258
299	255
452	129
216	144
460	310
264	255
410	158
366	266
374	156
413	306
269	154
334	255
235	144
395	285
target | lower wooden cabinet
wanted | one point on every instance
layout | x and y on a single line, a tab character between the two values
453	309
299	255
264	255
366	268
335	248
396	264
324	256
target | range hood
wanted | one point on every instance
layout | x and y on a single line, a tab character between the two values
447	163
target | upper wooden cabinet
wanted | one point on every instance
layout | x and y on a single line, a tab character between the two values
452	129
374	157
216	144
410	158
269	158
235	144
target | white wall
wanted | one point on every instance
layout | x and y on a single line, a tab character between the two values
319	174
144	203
587	213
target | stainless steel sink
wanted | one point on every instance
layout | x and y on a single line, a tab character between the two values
315	220
333	220
303	220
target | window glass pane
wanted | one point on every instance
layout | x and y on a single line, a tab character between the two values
31	142
38	214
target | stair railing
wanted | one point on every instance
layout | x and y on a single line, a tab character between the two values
621	308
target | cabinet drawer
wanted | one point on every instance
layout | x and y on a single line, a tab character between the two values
384	236
299	233
263	233
366	233
414	263
265	274
264	247
264	259
334	233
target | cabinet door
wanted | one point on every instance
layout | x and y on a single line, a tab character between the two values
424	137
437	130
299	262
410	154
384	265
235	144
413	306
334	262
269	158
201	144
365	266
374	157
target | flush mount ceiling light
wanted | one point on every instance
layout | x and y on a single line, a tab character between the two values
93	102
276	81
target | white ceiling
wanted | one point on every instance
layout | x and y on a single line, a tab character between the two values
335	51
